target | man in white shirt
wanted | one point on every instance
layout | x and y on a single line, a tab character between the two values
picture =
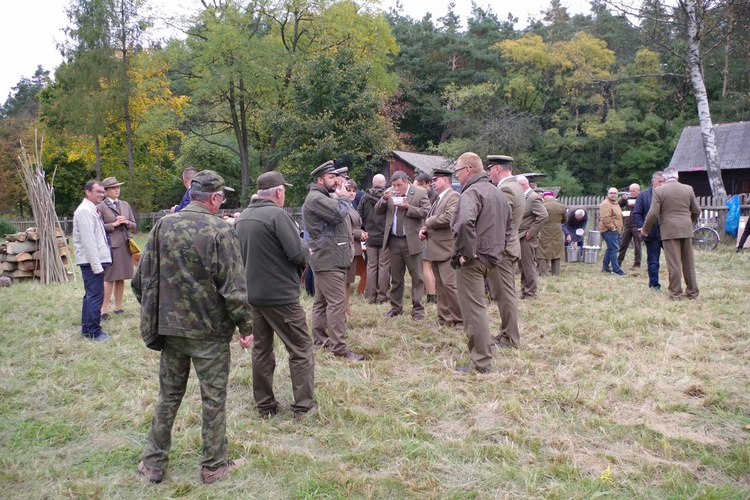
93	254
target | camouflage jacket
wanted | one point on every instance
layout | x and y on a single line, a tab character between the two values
327	222
190	282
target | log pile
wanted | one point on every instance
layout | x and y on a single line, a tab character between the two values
20	255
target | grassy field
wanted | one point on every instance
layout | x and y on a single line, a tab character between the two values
617	392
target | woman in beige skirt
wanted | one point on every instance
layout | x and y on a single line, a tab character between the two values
119	221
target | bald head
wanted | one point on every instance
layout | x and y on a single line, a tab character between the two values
634	190
378	180
523	181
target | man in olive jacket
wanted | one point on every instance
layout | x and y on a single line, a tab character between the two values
481	226
193	294
326	216
274	256
676	208
502	284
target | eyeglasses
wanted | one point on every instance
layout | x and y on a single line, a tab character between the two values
223	197
459	169
612	192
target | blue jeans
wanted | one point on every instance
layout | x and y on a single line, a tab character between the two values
610	254
91	309
653	252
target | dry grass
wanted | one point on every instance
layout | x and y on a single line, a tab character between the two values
617	392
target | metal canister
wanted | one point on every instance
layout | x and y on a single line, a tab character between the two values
572	253
595	239
590	255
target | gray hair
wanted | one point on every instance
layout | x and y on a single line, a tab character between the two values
199	196
399	174
671	173
523	181
189	173
378	180
270	192
658	174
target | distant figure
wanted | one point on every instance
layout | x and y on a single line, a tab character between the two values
630	231
534	217
358	238
193	295
610	225
187	177
378	260
551	238
405	207
653	239
93	255
575	227
481	227
119	221
326	213
439	238
675	206
268	234
425	182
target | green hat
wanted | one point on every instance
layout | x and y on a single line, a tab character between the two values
325	168
270	180
208	181
499	160
442	172
342	171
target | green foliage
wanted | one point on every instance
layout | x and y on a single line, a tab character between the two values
562	177
7	227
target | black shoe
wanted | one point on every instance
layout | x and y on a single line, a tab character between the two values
432	299
105	317
351	356
619	273
392	313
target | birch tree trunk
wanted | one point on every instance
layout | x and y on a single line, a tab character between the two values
713	166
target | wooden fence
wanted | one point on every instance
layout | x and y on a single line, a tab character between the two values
714	213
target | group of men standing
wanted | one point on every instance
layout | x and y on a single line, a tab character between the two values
662	216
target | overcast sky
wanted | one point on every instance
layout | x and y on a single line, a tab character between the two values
33	28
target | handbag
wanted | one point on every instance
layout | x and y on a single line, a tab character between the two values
133	246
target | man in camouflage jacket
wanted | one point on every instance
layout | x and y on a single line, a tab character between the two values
193	294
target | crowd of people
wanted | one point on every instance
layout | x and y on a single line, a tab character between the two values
201	277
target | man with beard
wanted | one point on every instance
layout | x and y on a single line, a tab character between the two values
326	216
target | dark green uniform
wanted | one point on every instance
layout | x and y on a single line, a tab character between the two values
193	294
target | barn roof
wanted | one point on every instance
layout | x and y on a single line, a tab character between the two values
423	162
732	140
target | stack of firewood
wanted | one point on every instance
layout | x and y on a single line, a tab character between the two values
19	256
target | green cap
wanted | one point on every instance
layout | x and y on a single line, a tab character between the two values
208	181
328	166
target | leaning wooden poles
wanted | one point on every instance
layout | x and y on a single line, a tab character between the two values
42	200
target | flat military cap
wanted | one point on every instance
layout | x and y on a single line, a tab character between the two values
270	180
499	160
341	171
325	168
208	181
442	172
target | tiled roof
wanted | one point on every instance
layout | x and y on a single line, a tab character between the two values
423	162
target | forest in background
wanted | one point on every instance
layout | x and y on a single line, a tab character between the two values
593	99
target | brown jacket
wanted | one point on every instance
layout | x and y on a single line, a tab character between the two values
419	205
438	226
677	209
118	235
482	224
534	215
513	193
610	216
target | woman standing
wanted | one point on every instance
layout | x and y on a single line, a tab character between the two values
358	236
119	221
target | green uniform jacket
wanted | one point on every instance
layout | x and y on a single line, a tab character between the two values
273	253
190	282
327	223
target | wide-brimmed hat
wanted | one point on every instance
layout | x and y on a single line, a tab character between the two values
111	182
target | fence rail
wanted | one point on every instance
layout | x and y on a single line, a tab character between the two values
714	210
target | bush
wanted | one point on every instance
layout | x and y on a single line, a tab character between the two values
7	227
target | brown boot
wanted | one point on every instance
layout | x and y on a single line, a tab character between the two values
209	476
153	475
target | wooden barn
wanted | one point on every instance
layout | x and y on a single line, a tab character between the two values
416	163
733	144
